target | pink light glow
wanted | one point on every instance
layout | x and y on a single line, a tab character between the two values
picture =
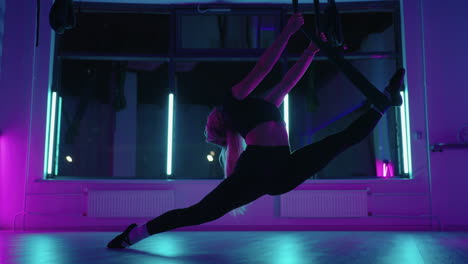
1	180
385	169
12	168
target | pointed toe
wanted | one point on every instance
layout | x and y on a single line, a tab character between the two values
122	240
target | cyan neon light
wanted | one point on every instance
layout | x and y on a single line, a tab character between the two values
57	146
286	112
408	135
51	71
405	134
46	147
52	132
170	127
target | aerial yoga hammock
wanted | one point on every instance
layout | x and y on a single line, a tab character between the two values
334	36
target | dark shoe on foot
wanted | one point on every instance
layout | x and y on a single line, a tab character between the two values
394	87
122	240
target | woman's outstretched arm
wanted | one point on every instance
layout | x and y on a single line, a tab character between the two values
268	58
273	53
294	74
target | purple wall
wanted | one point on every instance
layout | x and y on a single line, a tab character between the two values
15	107
447	100
396	204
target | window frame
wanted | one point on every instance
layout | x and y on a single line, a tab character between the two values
176	52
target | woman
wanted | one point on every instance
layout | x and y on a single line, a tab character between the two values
266	166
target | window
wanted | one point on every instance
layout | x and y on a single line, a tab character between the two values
110	119
117	32
227	31
323	103
132	90
363	32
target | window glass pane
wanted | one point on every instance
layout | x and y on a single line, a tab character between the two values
112	119
318	107
227	31
359	29
111	112
153	92
200	87
118	33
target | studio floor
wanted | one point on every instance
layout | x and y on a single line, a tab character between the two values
308	247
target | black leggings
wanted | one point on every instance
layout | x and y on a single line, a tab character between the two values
264	170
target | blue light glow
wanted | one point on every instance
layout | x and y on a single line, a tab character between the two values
170	125
403	249
168	246
408	134
57	146
44	248
46	147
47	134
286	112
405	134
52	132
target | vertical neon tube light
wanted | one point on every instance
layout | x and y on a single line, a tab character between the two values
405	134
51	132
57	146
408	134
47	134
286	112
170	126
46	147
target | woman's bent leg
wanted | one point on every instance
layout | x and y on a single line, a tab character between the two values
233	192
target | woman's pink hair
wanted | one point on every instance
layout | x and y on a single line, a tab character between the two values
223	135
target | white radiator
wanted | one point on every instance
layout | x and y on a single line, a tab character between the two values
324	203
143	203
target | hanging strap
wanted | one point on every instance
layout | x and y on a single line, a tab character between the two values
61	16
353	74
295	6
333	25
318	29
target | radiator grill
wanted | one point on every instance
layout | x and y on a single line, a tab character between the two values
324	203
145	203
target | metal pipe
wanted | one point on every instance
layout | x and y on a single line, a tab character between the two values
209	56
439	147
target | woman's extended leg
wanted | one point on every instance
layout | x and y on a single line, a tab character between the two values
233	192
308	160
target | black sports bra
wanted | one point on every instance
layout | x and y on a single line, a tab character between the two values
246	114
